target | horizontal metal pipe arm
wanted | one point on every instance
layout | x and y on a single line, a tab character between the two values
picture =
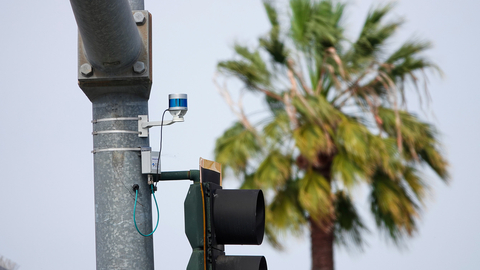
109	33
157	123
181	175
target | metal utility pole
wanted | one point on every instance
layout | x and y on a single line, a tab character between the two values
115	73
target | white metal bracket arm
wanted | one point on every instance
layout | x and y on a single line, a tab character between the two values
144	125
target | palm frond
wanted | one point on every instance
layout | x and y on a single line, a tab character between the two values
300	21
346	171
436	160
251	69
409	49
311	139
317	109
420	140
235	148
271	12
314	195
384	155
349	227
274	171
394	210
326	29
276	106
416	183
273	43
372	38
278	130
285	209
353	138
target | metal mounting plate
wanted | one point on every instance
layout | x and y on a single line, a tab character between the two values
142	132
124	81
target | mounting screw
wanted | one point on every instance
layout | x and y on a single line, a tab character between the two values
139	67
139	18
86	70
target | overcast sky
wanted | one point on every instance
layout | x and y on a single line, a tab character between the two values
46	167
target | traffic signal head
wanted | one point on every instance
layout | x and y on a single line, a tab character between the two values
215	217
239	216
241	262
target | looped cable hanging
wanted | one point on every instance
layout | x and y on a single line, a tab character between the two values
135	208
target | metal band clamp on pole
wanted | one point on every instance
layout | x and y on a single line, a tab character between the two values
94	121
94	151
115	132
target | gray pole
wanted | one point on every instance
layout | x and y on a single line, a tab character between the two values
116	170
112	43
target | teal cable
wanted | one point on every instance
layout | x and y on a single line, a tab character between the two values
135	208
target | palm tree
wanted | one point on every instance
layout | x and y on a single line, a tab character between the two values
6	264
336	121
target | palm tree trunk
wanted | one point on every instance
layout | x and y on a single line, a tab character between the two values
321	233
322	245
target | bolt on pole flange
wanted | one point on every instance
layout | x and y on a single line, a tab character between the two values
139	67
86	70
139	18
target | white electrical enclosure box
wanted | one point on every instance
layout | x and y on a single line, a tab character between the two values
149	161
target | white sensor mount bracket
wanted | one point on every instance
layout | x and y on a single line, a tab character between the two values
177	106
144	125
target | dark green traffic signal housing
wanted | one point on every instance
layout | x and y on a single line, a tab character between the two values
241	262
215	217
239	216
194	226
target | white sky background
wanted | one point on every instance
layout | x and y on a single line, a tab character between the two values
46	168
